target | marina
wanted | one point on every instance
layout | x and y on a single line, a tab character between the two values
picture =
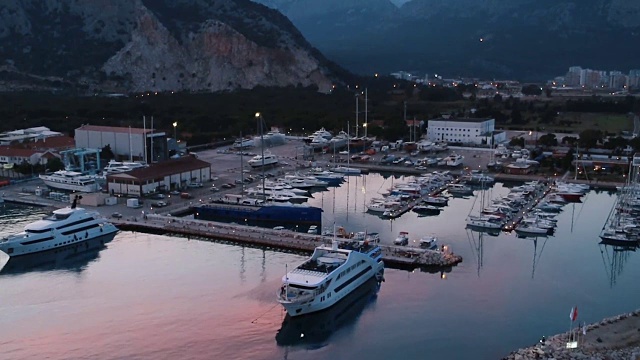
425	269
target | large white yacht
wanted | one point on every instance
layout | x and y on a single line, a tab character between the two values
320	133
116	167
71	181
68	226
329	275
259	160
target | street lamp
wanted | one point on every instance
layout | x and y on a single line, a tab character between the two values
175	125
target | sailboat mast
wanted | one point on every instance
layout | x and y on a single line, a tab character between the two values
366	112
144	136
152	139
130	148
357	113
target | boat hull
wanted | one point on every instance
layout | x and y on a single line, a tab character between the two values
59	243
70	187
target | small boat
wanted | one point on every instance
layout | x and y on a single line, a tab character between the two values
402	239
346	170
429	242
528	229
460	190
427	209
436	200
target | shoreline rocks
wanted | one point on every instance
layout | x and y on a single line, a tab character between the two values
613	338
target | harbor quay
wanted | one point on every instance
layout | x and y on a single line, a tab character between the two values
406	258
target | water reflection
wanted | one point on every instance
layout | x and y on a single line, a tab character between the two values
314	329
538	248
614	257
70	258
476	241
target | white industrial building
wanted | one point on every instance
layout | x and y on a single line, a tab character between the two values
125	142
462	130
23	135
171	174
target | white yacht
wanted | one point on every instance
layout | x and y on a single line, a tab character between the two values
329	275
490	222
68	226
383	205
346	170
318	142
116	167
71	181
455	160
322	133
268	159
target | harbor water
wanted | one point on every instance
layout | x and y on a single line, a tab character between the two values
144	296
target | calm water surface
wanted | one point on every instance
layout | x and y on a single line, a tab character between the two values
159	297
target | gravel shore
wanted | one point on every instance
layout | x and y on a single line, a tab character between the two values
615	338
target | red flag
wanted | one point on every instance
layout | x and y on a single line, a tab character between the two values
574	313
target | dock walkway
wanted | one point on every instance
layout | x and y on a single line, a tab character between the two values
394	256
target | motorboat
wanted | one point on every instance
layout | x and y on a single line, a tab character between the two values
429	242
382	206
266	160
436	200
318	142
455	160
322	133
346	170
64	227
460	189
402	239
427	209
330	274
71	181
528	229
330	177
490	222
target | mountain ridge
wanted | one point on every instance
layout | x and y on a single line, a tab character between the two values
162	45
522	39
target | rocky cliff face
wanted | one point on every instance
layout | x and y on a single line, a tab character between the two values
155	45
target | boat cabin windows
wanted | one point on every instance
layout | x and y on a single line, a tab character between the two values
57	217
302	287
38	231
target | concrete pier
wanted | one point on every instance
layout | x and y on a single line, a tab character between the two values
394	256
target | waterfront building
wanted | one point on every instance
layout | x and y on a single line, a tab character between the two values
461	130
127	143
14	156
167	175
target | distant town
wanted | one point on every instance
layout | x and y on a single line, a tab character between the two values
577	80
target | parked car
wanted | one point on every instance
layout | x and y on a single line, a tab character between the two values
226	186
186	195
158	196
194	185
213	189
231	184
159	204
116	215
174	192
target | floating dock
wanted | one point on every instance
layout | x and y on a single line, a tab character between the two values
401	257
